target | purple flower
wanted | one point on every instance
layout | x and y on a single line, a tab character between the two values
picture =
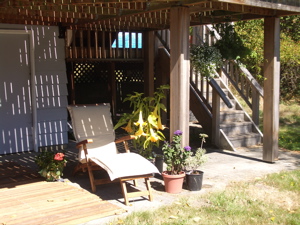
187	148
178	132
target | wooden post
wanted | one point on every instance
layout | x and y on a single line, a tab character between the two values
113	90
149	63
255	106
271	88
215	118
180	72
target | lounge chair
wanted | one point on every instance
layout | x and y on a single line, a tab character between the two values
95	136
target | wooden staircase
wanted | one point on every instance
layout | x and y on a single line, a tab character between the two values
237	129
226	122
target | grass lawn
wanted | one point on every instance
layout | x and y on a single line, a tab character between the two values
275	199
289	126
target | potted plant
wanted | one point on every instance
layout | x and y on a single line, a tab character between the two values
144	122
175	156
206	59
51	165
194	176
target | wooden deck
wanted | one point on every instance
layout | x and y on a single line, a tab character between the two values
26	199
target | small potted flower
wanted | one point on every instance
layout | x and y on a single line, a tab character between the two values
175	157
194	176
51	165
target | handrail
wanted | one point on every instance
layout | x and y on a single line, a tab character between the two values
163	42
220	92
248	76
211	81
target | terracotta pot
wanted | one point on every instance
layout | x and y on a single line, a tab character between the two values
173	183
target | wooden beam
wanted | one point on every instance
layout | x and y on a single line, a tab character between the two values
180	71
271	88
149	62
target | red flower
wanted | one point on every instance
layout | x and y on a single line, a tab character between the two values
59	156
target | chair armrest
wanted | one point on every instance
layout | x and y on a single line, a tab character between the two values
125	138
84	142
124	141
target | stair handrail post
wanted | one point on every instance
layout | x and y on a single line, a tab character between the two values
255	106
215	118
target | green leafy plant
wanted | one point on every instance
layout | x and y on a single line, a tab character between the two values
175	155
198	159
51	165
205	59
144	122
231	45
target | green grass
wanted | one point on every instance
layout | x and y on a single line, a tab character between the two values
274	199
285	181
289	126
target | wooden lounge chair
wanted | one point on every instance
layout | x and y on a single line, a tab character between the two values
94	133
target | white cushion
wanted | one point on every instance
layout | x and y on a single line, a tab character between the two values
98	151
125	165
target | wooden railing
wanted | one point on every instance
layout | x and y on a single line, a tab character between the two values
87	44
233	73
241	79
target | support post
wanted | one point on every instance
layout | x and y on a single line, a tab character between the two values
215	118
180	72
271	88
149	63
255	106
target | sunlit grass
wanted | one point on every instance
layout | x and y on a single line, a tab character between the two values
274	199
289	126
285	181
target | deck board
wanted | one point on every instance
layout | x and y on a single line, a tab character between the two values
40	202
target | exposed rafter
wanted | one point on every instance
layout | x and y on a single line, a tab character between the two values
137	15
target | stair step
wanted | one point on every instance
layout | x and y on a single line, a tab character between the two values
232	116
235	128
224	107
244	140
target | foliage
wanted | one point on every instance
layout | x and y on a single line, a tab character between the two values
289	69
290	25
144	122
251	32
205	59
194	161
174	155
231	45
248	203
51	164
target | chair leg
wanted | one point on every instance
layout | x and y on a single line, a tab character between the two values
148	185
91	176
135	183
124	191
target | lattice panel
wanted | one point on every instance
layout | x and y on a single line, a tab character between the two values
86	73
129	72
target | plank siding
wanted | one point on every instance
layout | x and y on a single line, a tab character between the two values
50	84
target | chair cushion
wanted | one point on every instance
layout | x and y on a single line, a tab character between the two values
96	150
125	165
